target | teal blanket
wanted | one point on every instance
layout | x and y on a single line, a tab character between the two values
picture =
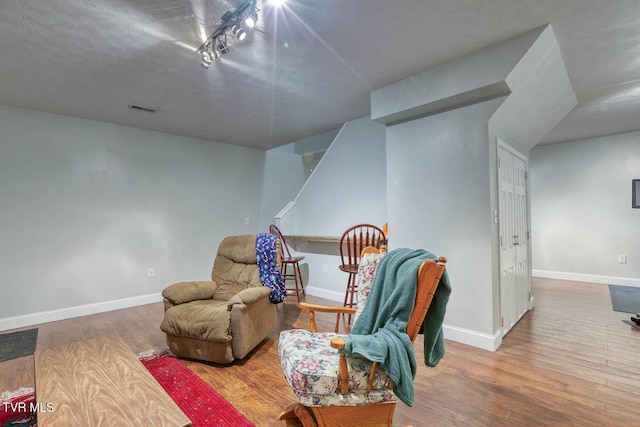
379	334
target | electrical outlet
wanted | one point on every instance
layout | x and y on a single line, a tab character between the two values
246	220
325	268
151	272
622	259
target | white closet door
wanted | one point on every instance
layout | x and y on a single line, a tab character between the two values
513	226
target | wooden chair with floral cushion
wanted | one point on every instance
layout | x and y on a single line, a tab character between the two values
336	387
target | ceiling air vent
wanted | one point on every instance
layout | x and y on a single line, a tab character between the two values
137	107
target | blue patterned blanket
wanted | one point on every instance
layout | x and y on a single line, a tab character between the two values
269	273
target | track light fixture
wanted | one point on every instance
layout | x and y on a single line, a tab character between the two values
239	32
206	60
239	21
251	21
215	53
222	45
209	54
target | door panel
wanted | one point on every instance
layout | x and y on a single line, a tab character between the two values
521	232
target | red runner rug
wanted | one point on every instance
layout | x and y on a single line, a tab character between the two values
202	404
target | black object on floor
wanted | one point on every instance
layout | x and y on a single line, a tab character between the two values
18	344
625	298
630	323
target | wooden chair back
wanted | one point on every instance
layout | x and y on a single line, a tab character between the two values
273	229
429	275
355	239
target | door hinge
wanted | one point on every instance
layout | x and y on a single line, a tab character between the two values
526	174
528	235
500	241
502	322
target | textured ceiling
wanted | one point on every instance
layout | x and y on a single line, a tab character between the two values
307	68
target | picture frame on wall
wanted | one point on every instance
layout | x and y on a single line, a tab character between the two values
635	193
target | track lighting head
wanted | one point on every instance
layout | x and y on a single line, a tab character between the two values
215	53
206	60
251	20
209	54
223	47
239	32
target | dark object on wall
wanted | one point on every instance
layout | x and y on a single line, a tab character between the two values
635	193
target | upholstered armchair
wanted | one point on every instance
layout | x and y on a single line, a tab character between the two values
225	318
357	379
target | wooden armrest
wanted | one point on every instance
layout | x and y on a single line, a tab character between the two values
337	343
312	308
343	369
326	308
343	374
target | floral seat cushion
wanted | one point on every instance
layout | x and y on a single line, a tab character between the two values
364	279
311	367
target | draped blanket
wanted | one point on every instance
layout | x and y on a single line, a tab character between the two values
379	334
268	269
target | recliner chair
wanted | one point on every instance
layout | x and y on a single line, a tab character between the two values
225	318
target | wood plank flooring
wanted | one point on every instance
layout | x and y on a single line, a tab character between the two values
569	362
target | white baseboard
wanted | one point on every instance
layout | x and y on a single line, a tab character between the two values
77	311
473	338
591	278
326	294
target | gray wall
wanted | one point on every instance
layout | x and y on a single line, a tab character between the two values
581	215
284	175
86	207
438	199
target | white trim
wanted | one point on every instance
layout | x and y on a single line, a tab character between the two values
324	293
592	278
8	323
285	219
501	144
285	210
473	338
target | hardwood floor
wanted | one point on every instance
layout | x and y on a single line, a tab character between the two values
569	362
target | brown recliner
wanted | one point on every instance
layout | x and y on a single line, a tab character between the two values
225	318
